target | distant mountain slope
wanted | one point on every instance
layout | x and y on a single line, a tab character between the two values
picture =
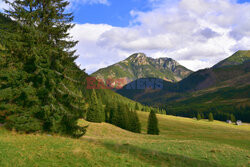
140	66
224	89
237	58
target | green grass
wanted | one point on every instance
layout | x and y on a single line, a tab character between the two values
182	142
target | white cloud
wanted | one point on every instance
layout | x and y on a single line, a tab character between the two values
197	33
3	5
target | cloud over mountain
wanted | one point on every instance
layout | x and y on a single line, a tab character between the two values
197	33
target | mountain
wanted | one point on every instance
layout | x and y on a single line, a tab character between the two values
139	65
222	90
239	57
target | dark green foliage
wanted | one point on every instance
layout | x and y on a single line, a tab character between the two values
153	124
23	123
232	118
40	85
134	124
198	116
202	116
137	107
121	116
210	117
95	111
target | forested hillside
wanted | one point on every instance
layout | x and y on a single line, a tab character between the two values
42	89
222	90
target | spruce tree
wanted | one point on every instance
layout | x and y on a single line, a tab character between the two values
123	116
44	82
202	116
113	110
95	109
232	118
198	116
210	117
136	127
107	110
153	124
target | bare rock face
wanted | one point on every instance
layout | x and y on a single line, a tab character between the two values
139	65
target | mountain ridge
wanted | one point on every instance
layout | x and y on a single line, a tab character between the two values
138	65
222	90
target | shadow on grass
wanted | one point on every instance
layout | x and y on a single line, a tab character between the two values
157	158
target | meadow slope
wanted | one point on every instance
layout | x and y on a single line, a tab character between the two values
182	142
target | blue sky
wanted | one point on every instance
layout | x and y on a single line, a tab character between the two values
196	33
115	13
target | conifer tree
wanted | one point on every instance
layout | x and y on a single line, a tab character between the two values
113	110
44	83
202	116
123	116
210	117
107	110
95	109
101	111
136	125
153	124
137	107
198	116
232	118
114	116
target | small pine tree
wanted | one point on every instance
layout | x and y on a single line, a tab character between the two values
153	124
123	116
137	127
232	117
198	116
134	124
210	117
202	116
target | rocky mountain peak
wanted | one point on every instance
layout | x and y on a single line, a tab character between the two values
138	59
139	65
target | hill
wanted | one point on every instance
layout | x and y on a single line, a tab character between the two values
238	58
139	65
223	91
182	142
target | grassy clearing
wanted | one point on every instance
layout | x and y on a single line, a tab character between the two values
182	142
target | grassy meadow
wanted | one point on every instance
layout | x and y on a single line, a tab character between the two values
182	142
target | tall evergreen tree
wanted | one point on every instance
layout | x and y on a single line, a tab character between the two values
94	113
44	82
113	110
202	116
232	118
123	116
153	124
198	116
210	117
135	122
